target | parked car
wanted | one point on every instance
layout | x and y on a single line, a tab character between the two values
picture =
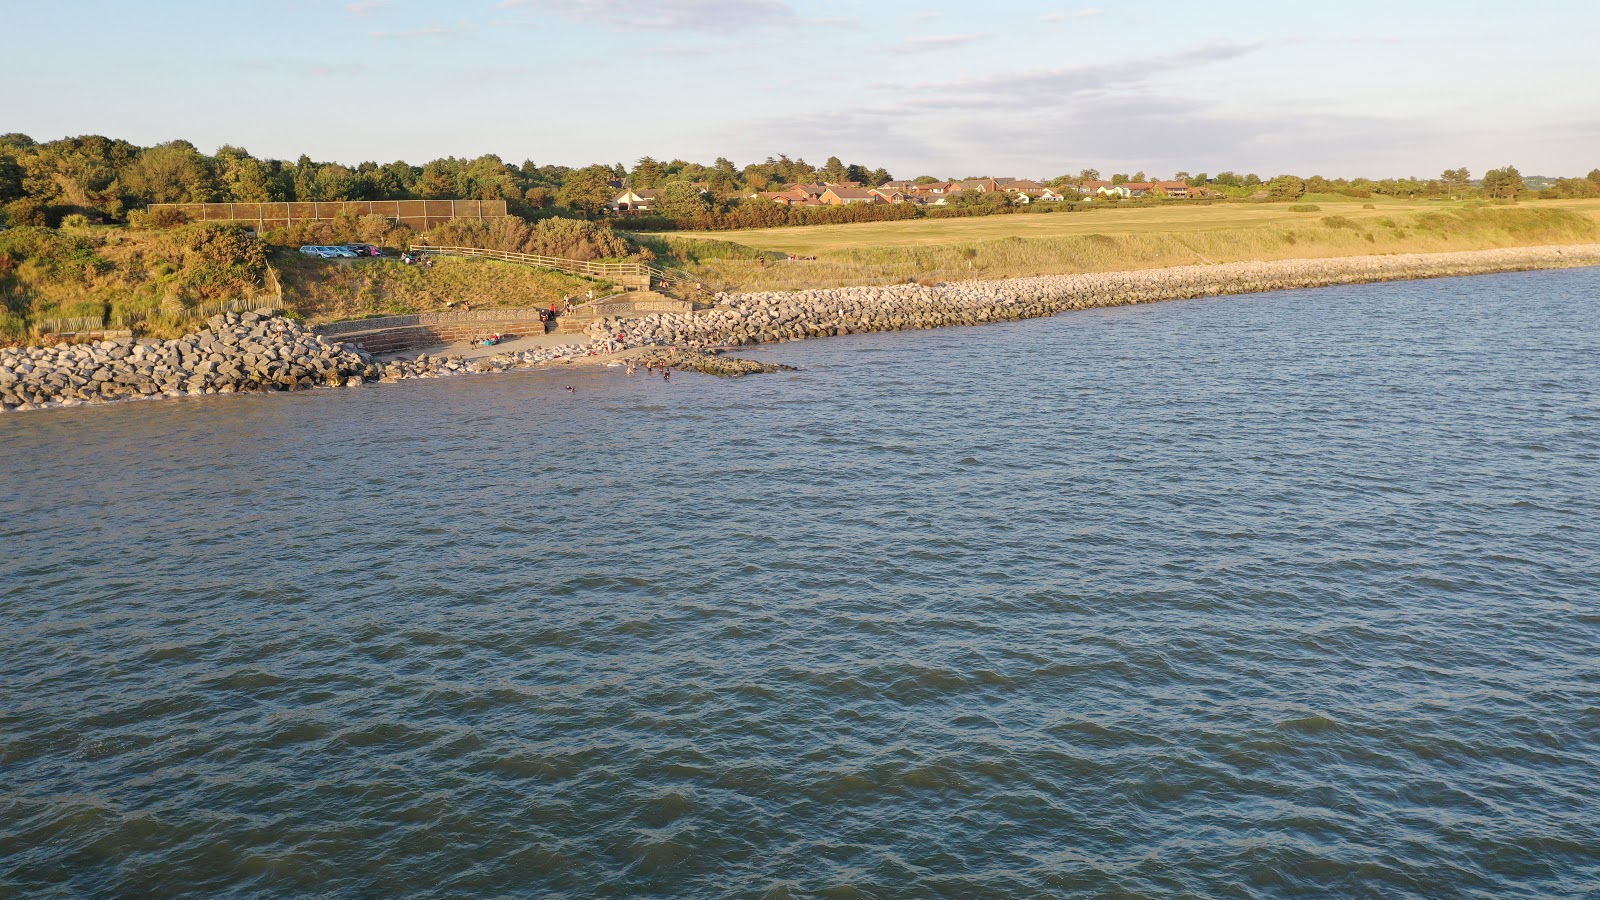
364	249
311	250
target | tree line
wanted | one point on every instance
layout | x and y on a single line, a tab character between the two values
106	179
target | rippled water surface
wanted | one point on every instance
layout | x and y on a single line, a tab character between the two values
1264	596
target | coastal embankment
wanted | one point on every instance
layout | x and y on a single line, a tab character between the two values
264	352
756	318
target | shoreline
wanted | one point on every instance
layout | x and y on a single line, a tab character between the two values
253	352
768	317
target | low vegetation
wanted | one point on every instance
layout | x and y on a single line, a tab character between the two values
1013	246
161	282
156	280
329	290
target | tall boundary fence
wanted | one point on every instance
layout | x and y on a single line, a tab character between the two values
419	215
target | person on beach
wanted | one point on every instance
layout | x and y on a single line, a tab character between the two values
666	374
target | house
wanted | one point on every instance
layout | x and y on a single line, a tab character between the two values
1179	189
905	187
1139	188
889	195
1023	191
631	200
979	185
1104	189
814	191
844	196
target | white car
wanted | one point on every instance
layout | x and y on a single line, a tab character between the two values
311	250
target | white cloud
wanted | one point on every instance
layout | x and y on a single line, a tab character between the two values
711	16
429	32
930	42
363	9
1089	13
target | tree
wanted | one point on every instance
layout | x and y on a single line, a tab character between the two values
1089	175
1286	187
1457	180
1120	178
588	190
1197	181
10	178
833	170
438	180
1594	175
1503	184
647	175
683	200
171	173
1139	176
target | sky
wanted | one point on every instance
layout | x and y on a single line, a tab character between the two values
1373	88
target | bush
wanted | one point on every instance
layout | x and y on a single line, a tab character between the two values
77	221
1339	222
567	238
24	212
1305	207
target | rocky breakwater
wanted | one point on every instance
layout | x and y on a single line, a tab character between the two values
768	317
707	363
237	352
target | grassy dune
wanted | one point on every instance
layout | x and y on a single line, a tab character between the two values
327	290
163	282
1110	239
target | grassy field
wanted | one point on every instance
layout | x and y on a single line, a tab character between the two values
1111	239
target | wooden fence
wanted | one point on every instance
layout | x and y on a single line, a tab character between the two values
419	215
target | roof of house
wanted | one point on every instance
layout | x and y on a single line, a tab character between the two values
1023	185
850	193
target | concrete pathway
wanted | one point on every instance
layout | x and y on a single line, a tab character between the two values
466	350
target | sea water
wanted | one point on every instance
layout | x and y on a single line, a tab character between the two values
1275	595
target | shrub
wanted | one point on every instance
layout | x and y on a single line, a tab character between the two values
1339	222
1305	207
76	221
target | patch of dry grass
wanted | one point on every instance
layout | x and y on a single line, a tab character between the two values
328	290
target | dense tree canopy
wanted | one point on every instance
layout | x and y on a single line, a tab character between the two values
105	179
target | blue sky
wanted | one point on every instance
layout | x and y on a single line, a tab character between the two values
1359	87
